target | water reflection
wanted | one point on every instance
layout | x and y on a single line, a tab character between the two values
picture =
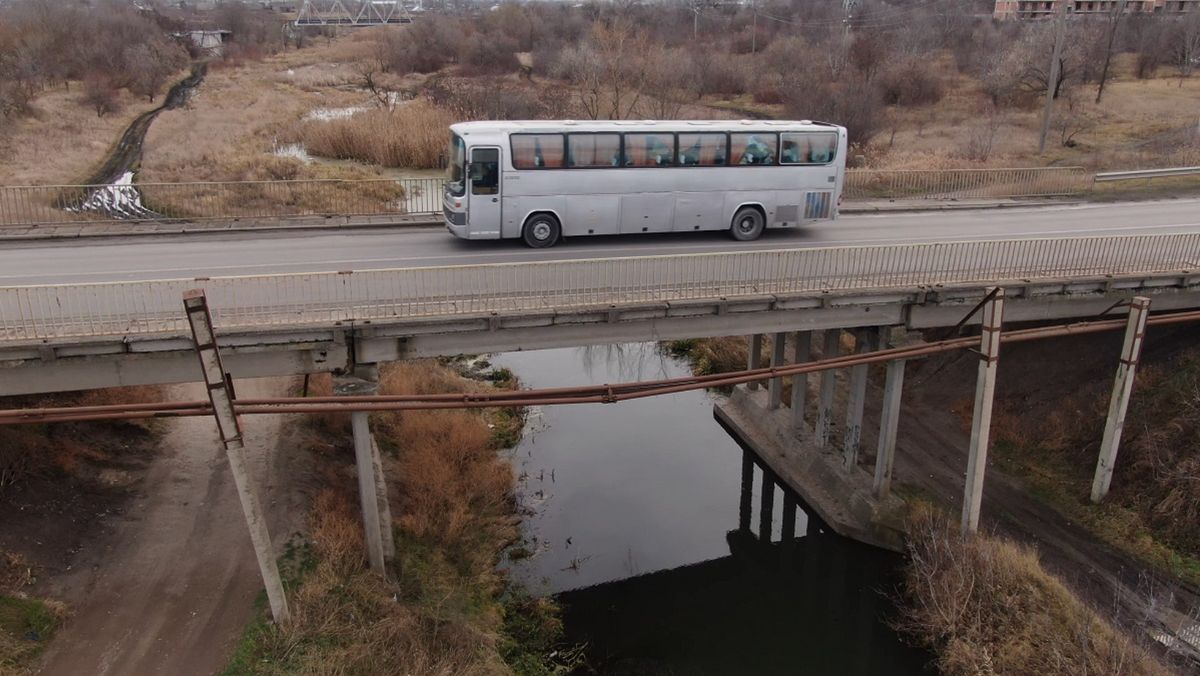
681	554
615	490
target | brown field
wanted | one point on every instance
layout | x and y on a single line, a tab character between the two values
65	141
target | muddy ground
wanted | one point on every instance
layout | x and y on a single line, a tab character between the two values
158	573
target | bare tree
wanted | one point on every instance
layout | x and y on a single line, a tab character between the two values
608	70
100	94
1114	22
1184	45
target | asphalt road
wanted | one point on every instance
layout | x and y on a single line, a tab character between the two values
198	255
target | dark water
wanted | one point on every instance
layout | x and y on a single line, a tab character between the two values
633	522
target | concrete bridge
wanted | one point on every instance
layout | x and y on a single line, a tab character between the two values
56	337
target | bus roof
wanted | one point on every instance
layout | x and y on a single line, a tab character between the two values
561	126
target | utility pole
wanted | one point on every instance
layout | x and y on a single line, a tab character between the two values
1060	24
754	29
1112	36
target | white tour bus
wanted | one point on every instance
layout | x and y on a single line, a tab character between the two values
544	180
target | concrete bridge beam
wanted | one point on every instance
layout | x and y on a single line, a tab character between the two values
778	358
885	456
1131	350
831	345
754	356
866	340
981	418
802	352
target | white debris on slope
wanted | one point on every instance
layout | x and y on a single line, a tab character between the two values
329	114
119	199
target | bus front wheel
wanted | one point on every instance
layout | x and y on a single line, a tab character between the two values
748	224
541	231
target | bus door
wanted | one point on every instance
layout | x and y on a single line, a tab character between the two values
483	214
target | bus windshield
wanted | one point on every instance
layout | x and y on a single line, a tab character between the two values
456	168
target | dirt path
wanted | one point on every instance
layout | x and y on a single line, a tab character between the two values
127	154
173	588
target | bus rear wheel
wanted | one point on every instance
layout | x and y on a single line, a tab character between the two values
748	224
541	231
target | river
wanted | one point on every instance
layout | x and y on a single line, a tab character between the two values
632	523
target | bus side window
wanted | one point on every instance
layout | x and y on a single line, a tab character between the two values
754	148
702	150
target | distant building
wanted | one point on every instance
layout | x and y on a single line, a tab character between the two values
210	42
1037	9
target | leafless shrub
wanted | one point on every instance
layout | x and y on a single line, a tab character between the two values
911	83
982	135
100	94
986	605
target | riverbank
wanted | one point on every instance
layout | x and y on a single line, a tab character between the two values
445	608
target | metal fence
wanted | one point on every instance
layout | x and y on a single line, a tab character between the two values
33	314
960	184
218	201
377	200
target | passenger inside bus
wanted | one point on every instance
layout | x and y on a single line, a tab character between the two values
756	152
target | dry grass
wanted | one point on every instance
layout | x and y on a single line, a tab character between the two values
985	605
1154	502
713	355
64	141
67	450
412	136
446	610
1134	127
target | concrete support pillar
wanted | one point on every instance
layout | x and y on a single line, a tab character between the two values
867	340
745	500
220	395
775	387
889	420
830	348
1118	404
766	509
981	418
755	357
386	529
801	352
372	492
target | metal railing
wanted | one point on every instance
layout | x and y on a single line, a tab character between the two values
1146	174
218	201
32	314
376	200
957	184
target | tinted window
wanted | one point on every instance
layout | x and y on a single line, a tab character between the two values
809	148
649	150
593	150
756	148
537	151
485	171
702	150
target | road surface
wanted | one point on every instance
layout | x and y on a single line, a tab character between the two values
198	255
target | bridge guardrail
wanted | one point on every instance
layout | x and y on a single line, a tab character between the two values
966	183
32	314
1146	174
218	201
